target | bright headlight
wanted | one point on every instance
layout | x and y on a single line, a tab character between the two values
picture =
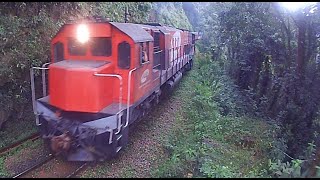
82	33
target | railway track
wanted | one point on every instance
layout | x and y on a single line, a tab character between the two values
32	137
77	170
49	158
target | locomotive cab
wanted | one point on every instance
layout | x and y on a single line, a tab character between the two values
80	51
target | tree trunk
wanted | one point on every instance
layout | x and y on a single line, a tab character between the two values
301	23
289	44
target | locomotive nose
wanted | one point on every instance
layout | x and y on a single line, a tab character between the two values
79	90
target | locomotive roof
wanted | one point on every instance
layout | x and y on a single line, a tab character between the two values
148	26
136	32
153	24
163	29
169	28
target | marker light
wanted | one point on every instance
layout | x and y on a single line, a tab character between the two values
82	33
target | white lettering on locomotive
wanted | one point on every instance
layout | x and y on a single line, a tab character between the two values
144	76
175	43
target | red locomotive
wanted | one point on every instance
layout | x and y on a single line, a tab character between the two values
102	77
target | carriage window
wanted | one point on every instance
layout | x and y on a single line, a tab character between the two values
193	39
156	39
124	55
76	48
144	55
101	46
58	54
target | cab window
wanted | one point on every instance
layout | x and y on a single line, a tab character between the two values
76	48
58	52
124	55
144	55
101	46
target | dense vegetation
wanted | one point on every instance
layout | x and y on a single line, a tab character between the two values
172	14
258	69
208	143
264	67
270	54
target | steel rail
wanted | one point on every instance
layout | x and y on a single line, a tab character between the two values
50	157
77	170
20	142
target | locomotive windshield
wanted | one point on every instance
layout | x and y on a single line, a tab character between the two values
75	48
99	46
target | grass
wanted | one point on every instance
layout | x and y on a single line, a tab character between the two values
128	173
15	130
97	171
3	171
17	150
205	143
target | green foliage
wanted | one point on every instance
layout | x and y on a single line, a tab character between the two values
128	173
213	170
3	172
17	133
171	14
192	14
296	168
257	45
139	11
208	143
209	23
286	170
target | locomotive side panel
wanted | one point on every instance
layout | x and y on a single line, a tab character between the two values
123	47
174	51
144	81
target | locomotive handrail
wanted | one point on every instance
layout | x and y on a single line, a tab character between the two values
158	52
120	79
33	93
128	97
120	95
156	66
44	86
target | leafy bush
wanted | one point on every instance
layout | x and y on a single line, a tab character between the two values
171	14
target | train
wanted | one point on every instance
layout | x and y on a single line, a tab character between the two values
102	77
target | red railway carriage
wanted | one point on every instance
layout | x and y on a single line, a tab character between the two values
102	77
